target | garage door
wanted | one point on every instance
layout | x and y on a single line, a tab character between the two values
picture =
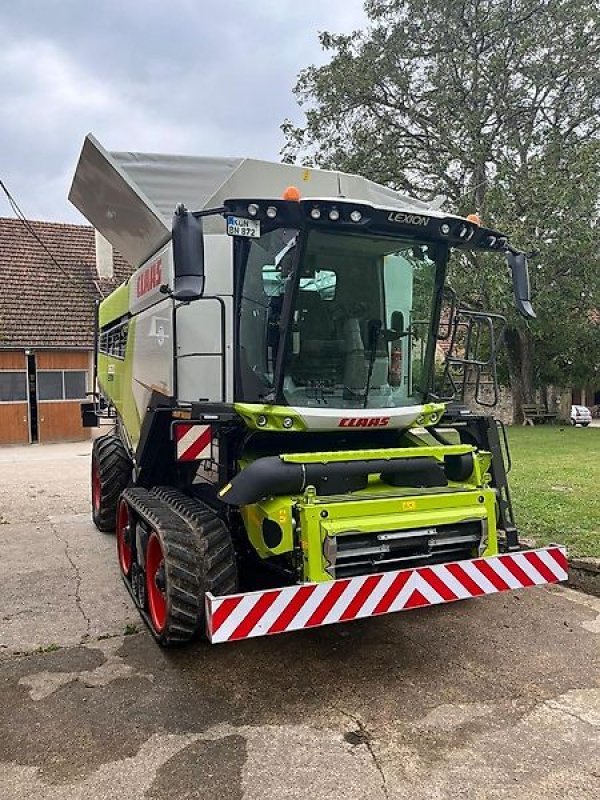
14	408
61	386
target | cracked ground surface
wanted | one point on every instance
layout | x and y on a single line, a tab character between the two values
491	699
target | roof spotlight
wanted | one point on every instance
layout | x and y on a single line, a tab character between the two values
334	215
253	209
315	213
271	212
355	215
445	228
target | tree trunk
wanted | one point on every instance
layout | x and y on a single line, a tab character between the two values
519	350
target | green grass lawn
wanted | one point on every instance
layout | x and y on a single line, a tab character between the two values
555	484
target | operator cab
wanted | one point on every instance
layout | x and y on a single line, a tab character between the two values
338	302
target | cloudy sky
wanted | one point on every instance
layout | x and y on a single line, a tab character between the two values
201	77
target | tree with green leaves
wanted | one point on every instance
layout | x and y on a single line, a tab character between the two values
494	104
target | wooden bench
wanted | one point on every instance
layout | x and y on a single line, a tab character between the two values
535	412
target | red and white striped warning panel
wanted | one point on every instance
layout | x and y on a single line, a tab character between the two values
308	605
192	441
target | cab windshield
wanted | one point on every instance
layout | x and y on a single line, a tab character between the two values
357	332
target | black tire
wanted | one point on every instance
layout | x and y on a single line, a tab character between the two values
189	551
175	607
585	424
215	561
111	474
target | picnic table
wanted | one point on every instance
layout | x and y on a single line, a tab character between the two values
536	412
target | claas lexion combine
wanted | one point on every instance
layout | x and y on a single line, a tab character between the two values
288	449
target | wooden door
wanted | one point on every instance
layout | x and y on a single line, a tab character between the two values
14	408
62	379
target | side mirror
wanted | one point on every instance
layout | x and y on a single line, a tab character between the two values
188	255
520	279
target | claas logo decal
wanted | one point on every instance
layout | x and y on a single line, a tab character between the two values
149	279
363	422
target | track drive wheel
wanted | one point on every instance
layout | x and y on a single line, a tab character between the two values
188	552
111	472
175	602
125	533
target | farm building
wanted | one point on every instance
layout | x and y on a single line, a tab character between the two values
47	326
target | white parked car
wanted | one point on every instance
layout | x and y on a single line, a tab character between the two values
580	415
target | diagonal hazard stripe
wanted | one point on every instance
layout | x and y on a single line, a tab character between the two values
263	602
559	556
461	576
486	569
559	571
520	574
360	597
226	606
393	592
198	446
537	563
293	607
437	584
334	592
181	429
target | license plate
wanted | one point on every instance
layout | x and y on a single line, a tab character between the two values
238	226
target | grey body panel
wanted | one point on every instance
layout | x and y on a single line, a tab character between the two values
152	368
115	206
201	351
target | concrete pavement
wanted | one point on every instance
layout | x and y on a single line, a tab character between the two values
494	698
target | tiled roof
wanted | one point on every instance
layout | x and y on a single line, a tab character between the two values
39	305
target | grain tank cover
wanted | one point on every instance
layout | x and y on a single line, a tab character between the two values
130	197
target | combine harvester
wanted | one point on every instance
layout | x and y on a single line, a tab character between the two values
283	456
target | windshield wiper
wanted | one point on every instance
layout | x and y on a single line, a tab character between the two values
285	250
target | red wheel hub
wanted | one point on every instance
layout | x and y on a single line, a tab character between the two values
156	583
96	487
124	537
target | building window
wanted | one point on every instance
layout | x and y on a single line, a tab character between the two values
74	385
61	384
50	385
13	387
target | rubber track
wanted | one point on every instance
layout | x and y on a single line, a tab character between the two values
114	467
216	555
185	600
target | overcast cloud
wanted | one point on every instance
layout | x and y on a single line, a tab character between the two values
187	76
